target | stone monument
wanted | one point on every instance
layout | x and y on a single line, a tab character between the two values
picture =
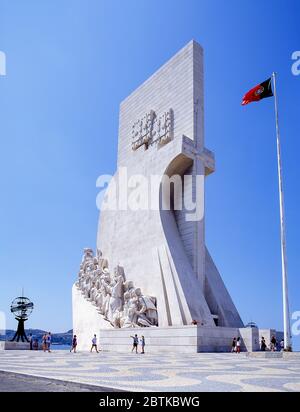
151	268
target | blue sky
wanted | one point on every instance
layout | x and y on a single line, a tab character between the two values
69	64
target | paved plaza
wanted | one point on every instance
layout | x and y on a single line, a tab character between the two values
159	372
15	382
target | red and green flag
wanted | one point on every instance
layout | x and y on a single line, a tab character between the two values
259	92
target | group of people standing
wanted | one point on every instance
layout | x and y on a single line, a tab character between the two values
46	342
236	345
137	342
274	345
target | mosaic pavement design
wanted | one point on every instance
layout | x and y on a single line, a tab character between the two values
160	372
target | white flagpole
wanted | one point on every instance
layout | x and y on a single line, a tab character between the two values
286	312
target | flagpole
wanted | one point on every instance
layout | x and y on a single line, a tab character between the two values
286	312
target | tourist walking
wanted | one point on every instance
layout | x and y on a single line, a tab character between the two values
44	342
238	345
233	345
263	344
94	344
282	345
48	341
135	343
142	342
273	344
74	344
30	338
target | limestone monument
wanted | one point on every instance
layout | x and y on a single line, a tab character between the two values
151	268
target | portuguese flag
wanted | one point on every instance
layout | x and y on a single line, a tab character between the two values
258	92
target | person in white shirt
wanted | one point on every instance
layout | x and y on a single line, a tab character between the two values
238	345
94	344
282	345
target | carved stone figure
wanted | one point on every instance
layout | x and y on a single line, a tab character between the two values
116	298
99	299
130	320
105	304
147	308
102	262
87	258
129	287
93	291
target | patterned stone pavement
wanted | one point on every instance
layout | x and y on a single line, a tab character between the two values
159	372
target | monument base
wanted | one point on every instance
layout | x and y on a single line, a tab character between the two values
8	345
182	339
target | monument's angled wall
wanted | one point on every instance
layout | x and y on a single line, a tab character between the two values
160	251
86	320
136	239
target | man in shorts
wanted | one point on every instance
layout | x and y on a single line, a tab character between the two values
135	343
